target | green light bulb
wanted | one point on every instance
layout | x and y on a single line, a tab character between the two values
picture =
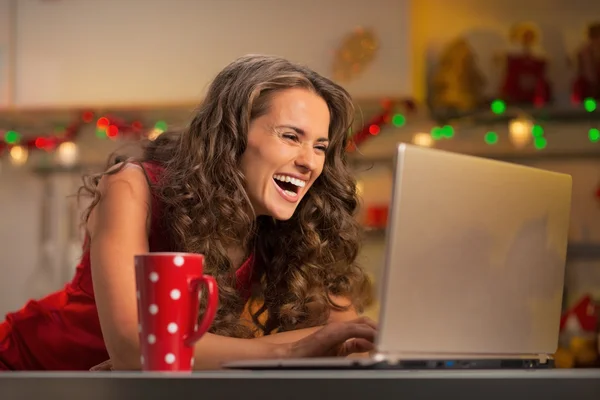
491	138
590	105
398	120
498	107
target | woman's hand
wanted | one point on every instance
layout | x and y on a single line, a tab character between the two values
337	339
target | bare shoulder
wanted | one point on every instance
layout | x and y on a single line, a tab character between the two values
125	198
129	175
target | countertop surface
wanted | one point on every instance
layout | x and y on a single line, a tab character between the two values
323	384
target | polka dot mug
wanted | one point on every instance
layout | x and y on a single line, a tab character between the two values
168	289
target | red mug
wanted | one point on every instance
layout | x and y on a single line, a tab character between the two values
168	288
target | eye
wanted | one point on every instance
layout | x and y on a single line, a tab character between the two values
322	148
290	136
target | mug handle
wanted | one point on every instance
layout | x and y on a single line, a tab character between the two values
211	308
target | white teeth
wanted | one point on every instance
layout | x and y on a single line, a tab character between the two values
292	194
293	181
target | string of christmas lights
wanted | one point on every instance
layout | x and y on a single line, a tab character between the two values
113	127
106	126
522	129
388	115
63	140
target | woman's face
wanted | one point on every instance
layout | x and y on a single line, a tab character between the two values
286	152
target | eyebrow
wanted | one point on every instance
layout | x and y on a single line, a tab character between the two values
300	131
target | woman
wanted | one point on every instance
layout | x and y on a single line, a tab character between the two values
259	184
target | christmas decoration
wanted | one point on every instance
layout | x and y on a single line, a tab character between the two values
423	139
387	115
63	140
458	83
525	67
520	130
578	339
19	145
377	216
587	83
355	54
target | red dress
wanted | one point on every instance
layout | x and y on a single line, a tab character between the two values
62	330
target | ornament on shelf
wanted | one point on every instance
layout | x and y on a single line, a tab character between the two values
458	83
578	338
587	82
355	54
377	216
525	67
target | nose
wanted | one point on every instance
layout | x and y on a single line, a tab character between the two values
306	159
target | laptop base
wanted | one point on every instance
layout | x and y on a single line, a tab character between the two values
348	364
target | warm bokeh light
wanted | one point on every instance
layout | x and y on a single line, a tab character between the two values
18	155
67	154
423	139
520	130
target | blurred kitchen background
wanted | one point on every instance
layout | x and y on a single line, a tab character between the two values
516	80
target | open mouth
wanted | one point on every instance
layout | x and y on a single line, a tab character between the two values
289	185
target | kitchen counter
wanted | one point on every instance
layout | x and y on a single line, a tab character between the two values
313	385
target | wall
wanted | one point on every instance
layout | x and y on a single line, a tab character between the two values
40	244
82	52
4	52
20	211
159	51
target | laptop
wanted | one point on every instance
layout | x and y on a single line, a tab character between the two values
474	267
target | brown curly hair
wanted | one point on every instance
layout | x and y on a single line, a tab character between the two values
300	262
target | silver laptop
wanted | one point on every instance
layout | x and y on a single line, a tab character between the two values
474	266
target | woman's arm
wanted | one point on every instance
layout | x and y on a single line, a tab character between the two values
118	228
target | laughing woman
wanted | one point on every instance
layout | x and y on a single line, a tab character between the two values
258	183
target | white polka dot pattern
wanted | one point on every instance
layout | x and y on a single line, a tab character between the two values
178	261
175	294
170	358
167	291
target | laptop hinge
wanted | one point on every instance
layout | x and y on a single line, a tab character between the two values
396	358
544	358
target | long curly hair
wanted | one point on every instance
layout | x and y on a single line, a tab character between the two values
299	263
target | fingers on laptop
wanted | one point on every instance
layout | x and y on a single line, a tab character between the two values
354	346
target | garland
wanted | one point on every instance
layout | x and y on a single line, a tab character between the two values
113	127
